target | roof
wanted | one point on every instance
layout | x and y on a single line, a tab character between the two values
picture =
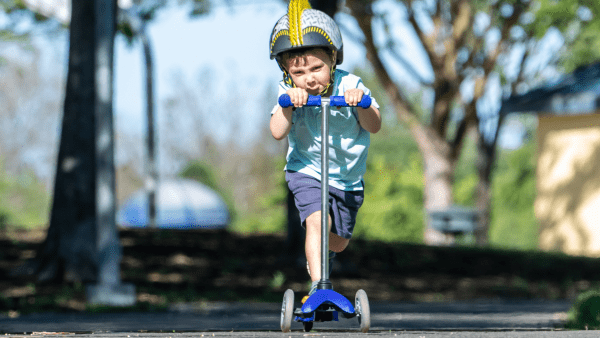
575	93
181	204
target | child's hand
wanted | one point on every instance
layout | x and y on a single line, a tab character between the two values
353	96
298	96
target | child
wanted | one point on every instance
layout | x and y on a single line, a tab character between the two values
307	45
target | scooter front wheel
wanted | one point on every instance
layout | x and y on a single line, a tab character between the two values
287	310
308	326
363	310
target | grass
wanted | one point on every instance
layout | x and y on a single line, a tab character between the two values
585	313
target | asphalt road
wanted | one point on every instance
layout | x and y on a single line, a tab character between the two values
460	319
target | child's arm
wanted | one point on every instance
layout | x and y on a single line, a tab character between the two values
281	120
369	118
281	123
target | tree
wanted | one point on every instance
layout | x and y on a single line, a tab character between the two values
82	243
577	23
467	44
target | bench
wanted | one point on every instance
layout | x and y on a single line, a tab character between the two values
455	220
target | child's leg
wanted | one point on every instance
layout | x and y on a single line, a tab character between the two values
313	244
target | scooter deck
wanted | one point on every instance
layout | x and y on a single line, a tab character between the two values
323	306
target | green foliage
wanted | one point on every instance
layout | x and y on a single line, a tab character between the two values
578	21
270	215
585	313
271	220
11	6
200	7
513	222
584	50
24	202
465	175
201	172
393	206
278	280
205	174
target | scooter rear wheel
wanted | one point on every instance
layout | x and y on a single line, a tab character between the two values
287	310
363	310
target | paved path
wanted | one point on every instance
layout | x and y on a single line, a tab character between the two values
461	319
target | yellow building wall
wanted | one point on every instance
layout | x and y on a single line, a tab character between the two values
568	184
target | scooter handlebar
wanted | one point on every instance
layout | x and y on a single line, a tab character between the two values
337	101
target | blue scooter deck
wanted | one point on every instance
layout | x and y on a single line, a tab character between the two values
324	305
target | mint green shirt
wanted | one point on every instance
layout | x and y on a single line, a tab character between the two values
348	141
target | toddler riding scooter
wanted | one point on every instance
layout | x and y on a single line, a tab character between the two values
324	304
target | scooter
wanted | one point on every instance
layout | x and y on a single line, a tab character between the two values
325	304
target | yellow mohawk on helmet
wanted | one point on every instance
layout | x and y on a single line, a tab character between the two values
295	9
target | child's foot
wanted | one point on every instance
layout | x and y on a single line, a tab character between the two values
331	257
313	289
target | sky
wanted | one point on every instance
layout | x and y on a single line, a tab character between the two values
230	41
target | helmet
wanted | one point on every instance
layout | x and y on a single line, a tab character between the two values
304	27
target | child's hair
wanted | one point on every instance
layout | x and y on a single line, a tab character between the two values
299	55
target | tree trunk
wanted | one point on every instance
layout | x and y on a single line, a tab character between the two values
69	253
438	175
77	246
486	155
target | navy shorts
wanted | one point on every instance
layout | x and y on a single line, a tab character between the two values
343	205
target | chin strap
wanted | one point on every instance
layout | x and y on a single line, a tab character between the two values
331	79
287	79
331	74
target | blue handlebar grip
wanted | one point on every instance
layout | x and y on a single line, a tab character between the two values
337	101
313	101
285	101
365	102
340	101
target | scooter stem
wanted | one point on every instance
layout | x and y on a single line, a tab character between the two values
325	283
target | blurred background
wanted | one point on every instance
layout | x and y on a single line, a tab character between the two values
483	176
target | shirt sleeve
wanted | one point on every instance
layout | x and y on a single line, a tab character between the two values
367	91
282	90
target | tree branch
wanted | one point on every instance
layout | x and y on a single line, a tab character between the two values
402	60
428	42
462	22
490	61
404	109
520	75
470	112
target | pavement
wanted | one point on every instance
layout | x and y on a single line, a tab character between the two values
489	318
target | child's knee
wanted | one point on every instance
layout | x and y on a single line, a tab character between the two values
313	221
337	243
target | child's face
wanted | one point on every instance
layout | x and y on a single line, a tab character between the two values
310	71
